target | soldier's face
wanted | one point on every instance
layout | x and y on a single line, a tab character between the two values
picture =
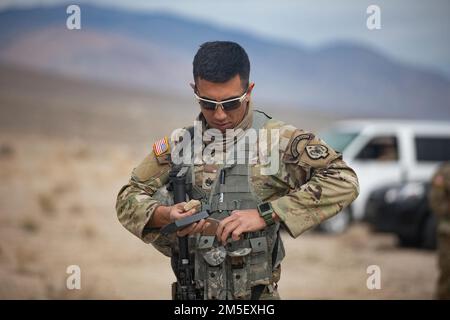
220	119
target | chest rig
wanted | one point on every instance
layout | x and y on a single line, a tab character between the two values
240	268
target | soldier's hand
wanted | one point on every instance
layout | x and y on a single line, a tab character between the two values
177	212
238	222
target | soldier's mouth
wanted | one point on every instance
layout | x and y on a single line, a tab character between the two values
224	126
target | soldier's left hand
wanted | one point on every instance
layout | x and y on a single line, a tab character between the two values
238	222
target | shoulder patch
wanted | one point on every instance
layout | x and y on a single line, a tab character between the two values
294	144
161	146
317	151
294	149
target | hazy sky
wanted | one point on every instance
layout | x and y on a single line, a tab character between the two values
413	31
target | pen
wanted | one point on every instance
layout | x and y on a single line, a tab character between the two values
222	182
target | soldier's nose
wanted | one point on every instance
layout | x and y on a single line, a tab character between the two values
219	114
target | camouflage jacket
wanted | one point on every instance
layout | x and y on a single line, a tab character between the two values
312	184
439	197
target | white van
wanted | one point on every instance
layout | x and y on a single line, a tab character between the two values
384	152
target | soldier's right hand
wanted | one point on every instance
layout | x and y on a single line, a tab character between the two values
177	212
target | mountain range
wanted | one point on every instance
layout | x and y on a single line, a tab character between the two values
154	51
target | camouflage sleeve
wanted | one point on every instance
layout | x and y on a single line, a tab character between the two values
323	183
136	201
439	195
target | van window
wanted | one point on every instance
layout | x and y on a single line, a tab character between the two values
432	148
338	140
382	148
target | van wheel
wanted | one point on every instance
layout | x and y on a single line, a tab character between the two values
429	233
337	224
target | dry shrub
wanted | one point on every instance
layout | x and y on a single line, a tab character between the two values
6	150
29	225
76	209
47	204
91	288
89	232
63	187
82	152
25	259
60	292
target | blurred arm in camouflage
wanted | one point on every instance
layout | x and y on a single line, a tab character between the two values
321	183
439	196
136	205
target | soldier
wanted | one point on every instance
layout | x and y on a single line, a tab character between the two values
439	199
241	258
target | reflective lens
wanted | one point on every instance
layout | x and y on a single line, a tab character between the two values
227	106
231	105
207	105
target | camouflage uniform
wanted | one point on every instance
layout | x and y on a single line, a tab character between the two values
312	184
440	204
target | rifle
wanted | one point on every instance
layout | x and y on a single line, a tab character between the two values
185	286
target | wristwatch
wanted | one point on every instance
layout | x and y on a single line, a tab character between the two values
265	211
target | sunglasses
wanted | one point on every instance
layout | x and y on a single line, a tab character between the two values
227	105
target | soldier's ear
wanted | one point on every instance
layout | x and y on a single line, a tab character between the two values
250	88
193	86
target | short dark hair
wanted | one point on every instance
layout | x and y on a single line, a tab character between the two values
220	61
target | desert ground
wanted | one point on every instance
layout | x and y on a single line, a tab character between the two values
66	148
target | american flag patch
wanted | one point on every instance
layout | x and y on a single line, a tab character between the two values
161	146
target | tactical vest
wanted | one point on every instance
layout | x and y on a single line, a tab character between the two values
233	271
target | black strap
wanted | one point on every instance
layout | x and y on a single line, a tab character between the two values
275	248
263	113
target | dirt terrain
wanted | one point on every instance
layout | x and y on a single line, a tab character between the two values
65	151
